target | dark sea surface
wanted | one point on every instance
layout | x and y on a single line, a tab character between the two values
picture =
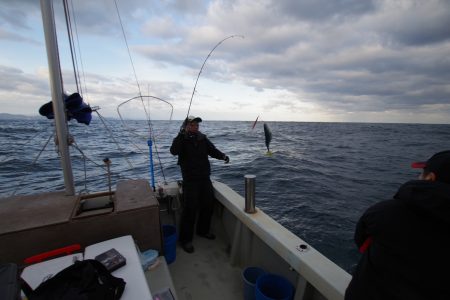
319	180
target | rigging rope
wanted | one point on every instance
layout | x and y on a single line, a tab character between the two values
79	87
80	56
25	143
70	36
86	158
84	166
128	48
126	101
147	113
115	141
32	164
159	159
152	136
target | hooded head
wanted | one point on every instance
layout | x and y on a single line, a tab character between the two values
436	167
192	124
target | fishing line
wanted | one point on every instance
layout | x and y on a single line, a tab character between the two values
147	113
201	69
115	141
86	158
84	166
134	69
32	164
126	101
152	136
128	48
27	141
159	158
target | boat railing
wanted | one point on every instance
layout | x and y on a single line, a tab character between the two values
314	270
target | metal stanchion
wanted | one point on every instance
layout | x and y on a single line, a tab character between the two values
250	194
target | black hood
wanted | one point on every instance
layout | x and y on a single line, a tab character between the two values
431	197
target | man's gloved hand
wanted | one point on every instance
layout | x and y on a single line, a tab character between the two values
226	159
183	126
183	132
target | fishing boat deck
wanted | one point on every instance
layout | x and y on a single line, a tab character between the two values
206	273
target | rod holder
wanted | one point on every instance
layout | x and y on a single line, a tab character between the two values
250	194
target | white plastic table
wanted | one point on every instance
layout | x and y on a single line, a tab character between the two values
136	284
35	274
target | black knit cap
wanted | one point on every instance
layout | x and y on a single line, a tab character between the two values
439	164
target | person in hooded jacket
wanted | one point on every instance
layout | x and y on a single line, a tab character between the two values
193	149
405	241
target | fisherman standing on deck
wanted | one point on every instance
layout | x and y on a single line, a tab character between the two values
193	148
405	241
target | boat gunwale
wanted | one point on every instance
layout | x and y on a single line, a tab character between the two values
327	277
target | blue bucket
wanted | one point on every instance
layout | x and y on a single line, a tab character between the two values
250	275
170	242
271	286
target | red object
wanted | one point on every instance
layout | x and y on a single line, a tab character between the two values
365	245
255	122
43	256
418	165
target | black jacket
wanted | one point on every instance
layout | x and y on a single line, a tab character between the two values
409	257
193	151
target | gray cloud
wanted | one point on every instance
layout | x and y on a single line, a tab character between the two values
187	6
346	55
320	10
17	14
11	36
16	80
413	23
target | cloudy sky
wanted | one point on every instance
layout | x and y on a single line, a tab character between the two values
297	60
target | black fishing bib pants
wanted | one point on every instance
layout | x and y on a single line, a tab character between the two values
198	196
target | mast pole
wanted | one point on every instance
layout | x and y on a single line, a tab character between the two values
56	86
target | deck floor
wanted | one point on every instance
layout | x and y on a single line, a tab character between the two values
206	273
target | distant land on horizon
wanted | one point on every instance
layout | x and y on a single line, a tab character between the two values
5	116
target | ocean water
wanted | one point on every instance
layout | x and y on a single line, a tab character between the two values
319	180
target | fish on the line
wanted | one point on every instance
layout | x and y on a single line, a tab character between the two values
268	138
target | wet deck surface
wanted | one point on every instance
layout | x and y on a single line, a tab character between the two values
206	273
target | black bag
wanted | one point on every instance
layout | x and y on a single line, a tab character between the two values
9	283
84	280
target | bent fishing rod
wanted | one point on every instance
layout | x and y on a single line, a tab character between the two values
204	63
